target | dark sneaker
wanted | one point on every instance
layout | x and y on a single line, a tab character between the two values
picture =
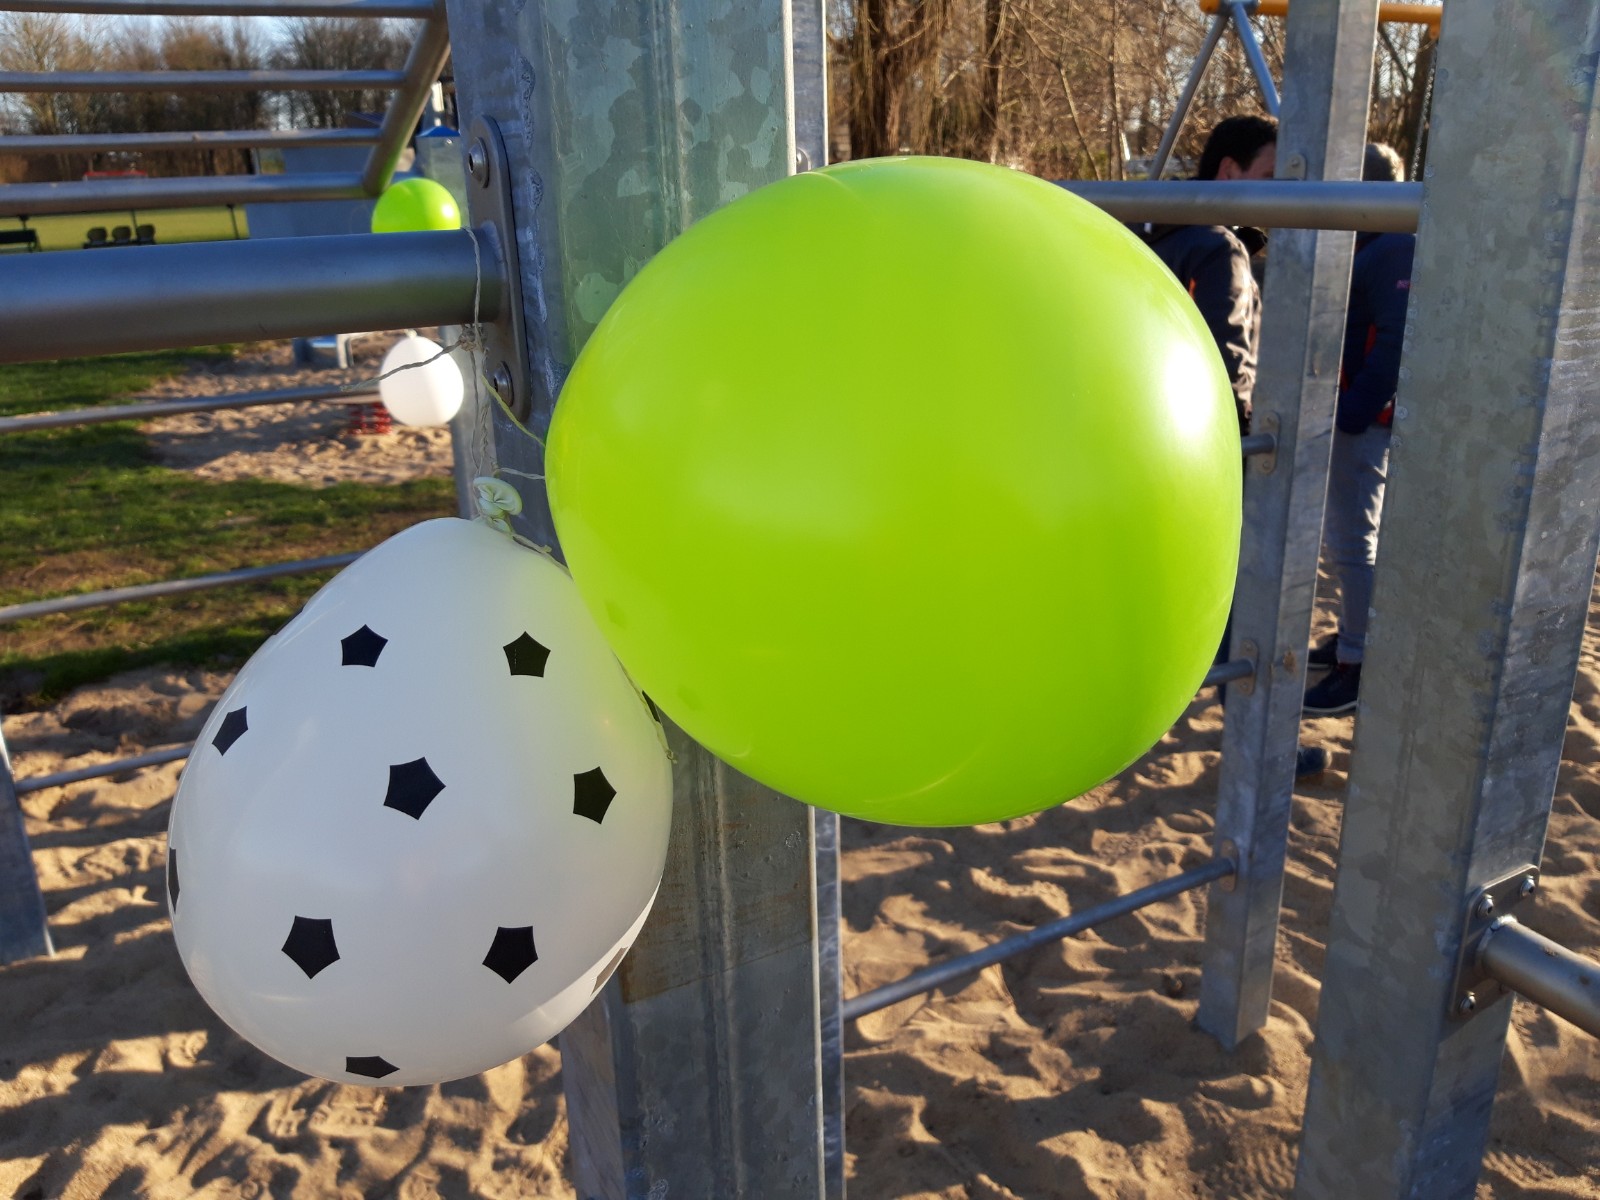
1309	761
1324	655
1335	693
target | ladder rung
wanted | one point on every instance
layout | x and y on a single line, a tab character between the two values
229	8
196	81
93	143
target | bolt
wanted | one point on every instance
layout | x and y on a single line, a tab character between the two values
501	381
802	161
1528	887
478	162
1467	1004
1485	907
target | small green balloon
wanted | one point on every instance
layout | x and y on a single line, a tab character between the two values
414	205
909	487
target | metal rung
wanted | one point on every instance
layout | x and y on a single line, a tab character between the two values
110	195
197	81
1268	203
168	408
37	783
424	61
1258	443
1405	14
1226	672
171	587
94	143
1544	971
929	978
228	8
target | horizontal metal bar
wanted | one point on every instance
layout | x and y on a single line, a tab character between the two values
938	974
202	293
1225	672
227	8
1268	203
1258	443
37	783
171	587
209	139
1405	14
426	59
1544	971
113	195
101	415
196	81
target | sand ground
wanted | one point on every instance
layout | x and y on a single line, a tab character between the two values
1071	1072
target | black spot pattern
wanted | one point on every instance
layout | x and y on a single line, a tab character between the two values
592	794
511	952
525	656
310	945
230	731
361	648
412	787
609	969
373	1066
172	879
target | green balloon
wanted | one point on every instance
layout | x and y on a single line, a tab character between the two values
414	205
910	487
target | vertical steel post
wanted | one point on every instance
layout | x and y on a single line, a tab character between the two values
1483	584
23	931
698	1070
1327	73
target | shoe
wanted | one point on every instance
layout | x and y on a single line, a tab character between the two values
1335	693
1324	655
1309	761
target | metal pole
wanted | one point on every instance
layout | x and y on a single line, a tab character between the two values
1169	136
24	932
200	293
171	587
101	415
1268	203
1253	54
227	8
939	974
697	1072
1544	971
37	783
423	64
93	143
1482	594
1327	74
112	195
197	81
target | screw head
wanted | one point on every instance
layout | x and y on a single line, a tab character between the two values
501	381
1528	886
1485	907
1467	1004
478	162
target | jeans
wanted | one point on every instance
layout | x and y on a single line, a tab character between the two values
1357	473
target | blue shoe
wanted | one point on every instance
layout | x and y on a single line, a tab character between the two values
1309	761
1335	693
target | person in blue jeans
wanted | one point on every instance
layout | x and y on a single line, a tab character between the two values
1380	286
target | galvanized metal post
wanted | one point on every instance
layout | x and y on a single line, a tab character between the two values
697	1072
1327	73
23	931
1483	584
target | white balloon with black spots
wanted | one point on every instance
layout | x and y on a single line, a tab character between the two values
426	821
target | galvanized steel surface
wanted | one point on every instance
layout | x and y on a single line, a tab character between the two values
1544	971
111	195
93	143
1267	203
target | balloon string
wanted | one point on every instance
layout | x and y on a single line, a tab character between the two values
470	338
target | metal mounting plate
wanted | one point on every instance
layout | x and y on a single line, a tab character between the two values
488	178
1475	989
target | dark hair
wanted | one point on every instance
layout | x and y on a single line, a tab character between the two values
1382	164
1238	138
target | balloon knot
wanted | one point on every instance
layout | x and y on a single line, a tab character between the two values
496	501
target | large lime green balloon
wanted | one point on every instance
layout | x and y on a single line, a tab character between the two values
909	487
414	205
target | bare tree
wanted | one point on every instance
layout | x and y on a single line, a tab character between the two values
339	44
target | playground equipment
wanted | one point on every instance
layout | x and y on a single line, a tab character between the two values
711	1064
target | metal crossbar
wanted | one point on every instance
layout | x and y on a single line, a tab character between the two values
102	415
928	978
207	139
1268	203
104	195
37	783
197	81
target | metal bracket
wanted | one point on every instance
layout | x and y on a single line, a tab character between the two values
1475	989
1265	424
1246	685
489	206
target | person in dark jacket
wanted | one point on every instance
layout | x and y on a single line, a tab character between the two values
1213	262
1380	286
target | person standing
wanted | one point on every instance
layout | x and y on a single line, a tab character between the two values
1380	286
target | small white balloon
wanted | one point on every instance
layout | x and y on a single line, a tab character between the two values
425	823
429	394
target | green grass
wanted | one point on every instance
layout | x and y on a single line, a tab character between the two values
89	508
